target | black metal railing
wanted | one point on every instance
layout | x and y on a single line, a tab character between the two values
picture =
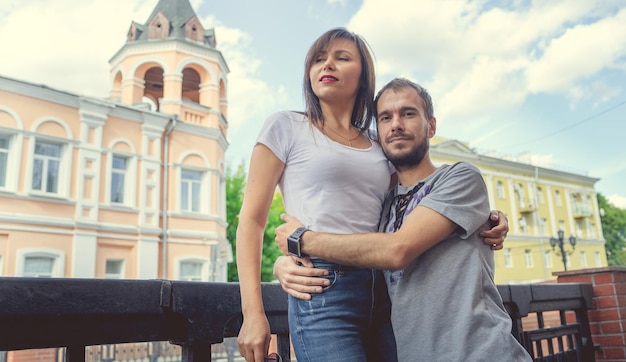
76	313
540	320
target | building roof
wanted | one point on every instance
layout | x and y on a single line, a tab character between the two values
176	11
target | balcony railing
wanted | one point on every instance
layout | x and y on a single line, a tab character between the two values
581	210
75	313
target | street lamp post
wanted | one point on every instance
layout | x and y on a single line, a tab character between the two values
554	242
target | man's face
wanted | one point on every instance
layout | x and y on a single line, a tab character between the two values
403	128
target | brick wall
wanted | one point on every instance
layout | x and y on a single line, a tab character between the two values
607	314
32	355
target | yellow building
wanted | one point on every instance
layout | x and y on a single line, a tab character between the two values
127	187
538	202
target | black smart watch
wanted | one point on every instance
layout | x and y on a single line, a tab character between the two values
294	242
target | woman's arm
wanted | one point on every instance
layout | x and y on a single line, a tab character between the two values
263	175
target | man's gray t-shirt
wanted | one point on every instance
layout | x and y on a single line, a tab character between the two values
445	304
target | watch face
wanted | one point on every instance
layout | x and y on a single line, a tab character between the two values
293	246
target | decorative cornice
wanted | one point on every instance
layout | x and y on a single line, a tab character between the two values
188	47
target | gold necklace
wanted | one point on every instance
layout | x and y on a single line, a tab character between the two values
349	140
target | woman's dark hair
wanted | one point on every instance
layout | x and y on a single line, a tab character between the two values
363	111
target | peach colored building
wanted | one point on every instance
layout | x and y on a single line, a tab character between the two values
127	187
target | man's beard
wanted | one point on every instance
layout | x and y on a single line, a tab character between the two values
410	158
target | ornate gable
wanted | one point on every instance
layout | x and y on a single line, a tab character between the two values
194	30
159	27
454	148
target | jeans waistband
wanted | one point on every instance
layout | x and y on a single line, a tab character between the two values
324	264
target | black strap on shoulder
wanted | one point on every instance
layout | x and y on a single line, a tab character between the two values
384	215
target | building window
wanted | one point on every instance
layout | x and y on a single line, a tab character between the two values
38	266
583	260
119	166
190	188
519	193
547	259
529	258
42	263
557	198
540	195
500	189
579	228
46	164
561	225
222	197
192	270
4	159
592	231
598	259
114	269
542	226
523	224
508	261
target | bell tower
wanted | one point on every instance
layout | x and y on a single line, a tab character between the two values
171	65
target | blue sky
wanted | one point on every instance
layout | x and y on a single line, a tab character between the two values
541	81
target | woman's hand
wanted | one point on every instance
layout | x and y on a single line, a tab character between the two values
254	338
500	227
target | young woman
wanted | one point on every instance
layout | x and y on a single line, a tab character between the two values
333	177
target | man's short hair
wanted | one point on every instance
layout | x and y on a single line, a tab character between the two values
400	83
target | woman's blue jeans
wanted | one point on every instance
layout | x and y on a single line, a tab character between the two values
348	322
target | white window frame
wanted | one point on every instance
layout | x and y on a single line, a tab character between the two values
540	195
583	259
528	256
542	226
508	258
6	153
130	179
63	168
523	225
598	259
58	257
122	174
547	259
190	183
204	269
119	275
500	189
557	198
221	192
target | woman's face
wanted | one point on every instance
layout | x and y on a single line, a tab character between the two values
336	71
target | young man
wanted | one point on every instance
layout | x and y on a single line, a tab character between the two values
445	304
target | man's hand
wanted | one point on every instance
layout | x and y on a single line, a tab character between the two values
500	227
299	280
284	230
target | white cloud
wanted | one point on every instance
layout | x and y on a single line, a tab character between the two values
478	61
617	201
66	44
580	52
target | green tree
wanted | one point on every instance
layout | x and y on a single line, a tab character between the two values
614	230
235	185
